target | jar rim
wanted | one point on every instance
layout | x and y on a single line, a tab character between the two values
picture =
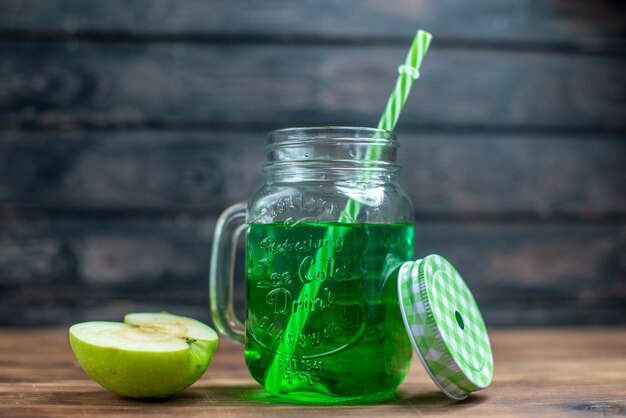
344	148
344	133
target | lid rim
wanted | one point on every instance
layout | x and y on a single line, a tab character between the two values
416	348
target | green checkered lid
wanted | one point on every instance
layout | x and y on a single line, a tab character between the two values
445	326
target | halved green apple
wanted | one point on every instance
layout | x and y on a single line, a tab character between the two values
150	355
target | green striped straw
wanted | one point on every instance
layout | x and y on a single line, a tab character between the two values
408	73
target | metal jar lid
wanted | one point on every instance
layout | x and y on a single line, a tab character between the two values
445	326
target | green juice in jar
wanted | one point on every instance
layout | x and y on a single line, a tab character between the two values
350	343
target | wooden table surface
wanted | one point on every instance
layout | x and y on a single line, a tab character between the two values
548	372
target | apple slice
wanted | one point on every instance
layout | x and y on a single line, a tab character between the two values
150	355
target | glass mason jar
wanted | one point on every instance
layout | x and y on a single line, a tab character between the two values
324	236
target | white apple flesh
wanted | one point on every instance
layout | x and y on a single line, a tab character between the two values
150	355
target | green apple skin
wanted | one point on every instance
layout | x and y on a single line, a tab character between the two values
140	374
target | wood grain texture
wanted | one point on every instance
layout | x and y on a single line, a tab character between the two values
554	372
557	21
63	269
282	85
126	125
451	174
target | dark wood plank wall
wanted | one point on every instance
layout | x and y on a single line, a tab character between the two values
127	126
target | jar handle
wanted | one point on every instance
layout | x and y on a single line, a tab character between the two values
230	225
